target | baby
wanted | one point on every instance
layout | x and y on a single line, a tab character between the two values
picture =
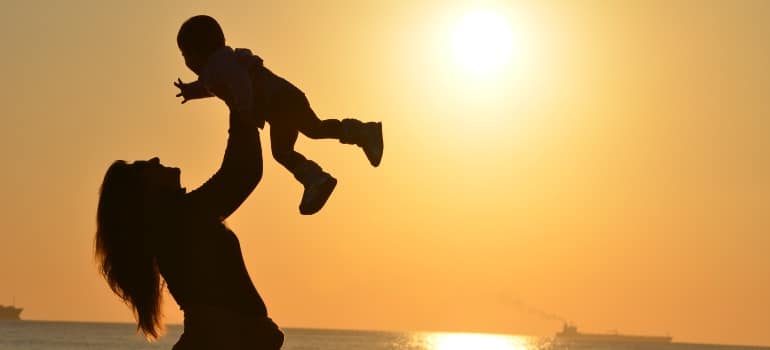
240	79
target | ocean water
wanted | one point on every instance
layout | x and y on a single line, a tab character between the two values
45	335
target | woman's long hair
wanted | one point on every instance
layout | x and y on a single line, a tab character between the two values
123	253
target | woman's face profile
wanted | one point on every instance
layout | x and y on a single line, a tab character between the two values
157	176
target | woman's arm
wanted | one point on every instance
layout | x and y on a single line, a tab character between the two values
238	175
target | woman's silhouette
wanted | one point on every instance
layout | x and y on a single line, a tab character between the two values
150	230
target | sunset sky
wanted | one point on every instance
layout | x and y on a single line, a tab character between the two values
607	163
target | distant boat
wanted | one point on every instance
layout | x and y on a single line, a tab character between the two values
10	313
570	334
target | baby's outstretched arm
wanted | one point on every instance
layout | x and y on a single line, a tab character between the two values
191	91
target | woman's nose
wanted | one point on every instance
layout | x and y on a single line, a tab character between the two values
155	160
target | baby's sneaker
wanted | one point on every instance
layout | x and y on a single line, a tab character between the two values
372	142
317	192
366	135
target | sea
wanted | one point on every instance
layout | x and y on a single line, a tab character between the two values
50	335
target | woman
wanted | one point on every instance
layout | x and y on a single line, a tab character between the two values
150	230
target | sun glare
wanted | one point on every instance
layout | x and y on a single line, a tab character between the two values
465	341
482	42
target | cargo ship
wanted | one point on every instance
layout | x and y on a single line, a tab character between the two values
570	334
11	313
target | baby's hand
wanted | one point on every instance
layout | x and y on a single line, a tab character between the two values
190	91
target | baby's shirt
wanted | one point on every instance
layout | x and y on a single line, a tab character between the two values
227	77
240	79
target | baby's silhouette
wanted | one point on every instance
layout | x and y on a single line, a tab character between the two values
240	79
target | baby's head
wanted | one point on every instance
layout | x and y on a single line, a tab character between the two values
198	38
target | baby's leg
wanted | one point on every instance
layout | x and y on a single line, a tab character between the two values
304	119
318	184
349	131
282	141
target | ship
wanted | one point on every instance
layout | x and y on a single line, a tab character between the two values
10	313
570	334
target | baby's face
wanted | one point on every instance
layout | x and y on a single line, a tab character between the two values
194	62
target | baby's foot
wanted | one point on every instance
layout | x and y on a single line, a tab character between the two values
372	142
316	193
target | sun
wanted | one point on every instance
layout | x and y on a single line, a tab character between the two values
482	42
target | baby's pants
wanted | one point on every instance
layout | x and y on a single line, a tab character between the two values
290	116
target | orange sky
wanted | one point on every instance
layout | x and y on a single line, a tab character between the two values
615	171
